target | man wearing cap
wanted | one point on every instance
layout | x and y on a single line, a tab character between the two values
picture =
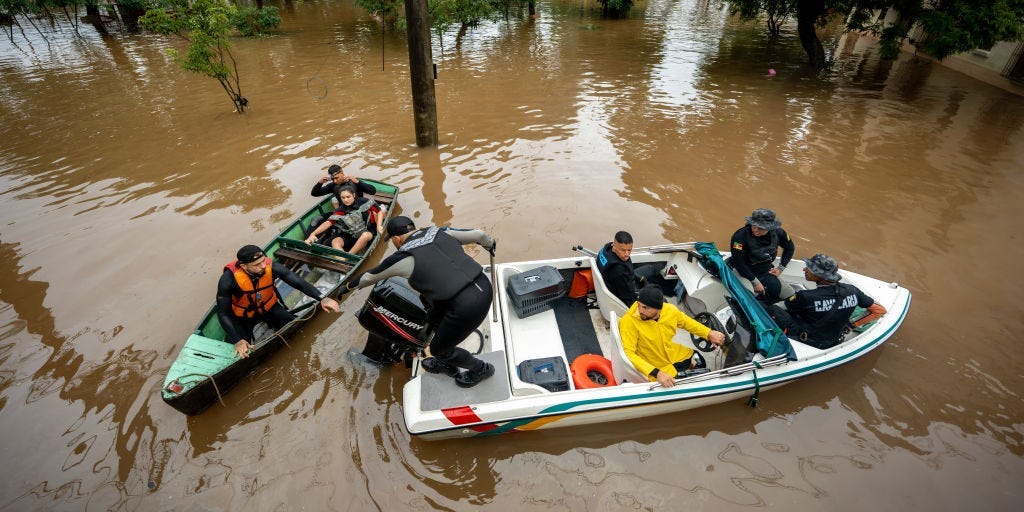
818	317
647	330
332	182
452	283
754	248
246	296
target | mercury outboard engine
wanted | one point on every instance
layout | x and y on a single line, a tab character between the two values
397	321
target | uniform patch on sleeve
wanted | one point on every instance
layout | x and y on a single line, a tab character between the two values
737	245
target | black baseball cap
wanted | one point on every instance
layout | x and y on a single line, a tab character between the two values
249	254
400	225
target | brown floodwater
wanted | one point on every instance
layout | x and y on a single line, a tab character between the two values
126	183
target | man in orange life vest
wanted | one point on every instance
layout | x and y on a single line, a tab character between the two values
246	296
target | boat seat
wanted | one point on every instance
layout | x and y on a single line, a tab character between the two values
607	302
621	366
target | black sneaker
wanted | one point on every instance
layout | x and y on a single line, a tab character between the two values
435	365
470	378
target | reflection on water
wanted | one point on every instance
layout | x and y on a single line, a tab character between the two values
126	184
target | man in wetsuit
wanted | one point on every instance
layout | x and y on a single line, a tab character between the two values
754	248
818	317
452	283
335	178
246	296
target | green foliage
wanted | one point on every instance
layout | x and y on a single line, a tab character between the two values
776	11
388	10
250	21
960	26
445	13
207	25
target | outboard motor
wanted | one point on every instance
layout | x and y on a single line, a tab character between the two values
397	321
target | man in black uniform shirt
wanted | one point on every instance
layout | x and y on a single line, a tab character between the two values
246	296
452	283
754	248
818	317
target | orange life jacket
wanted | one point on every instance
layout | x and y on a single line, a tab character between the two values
256	300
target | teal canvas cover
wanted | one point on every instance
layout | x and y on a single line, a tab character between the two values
771	341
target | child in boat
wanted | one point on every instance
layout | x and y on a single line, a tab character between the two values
353	225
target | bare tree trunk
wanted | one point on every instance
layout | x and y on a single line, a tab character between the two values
421	69
92	16
807	13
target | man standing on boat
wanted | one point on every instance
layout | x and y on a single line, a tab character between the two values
754	248
452	283
647	330
820	316
335	178
246	296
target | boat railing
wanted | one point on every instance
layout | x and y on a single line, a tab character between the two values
730	371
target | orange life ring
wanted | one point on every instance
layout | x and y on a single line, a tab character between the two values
582	367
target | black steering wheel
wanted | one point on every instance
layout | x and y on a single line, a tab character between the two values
715	324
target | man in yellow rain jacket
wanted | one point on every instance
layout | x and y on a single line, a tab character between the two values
647	330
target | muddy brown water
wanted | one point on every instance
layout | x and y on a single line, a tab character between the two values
125	184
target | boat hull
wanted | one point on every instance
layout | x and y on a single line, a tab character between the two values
206	367
523	407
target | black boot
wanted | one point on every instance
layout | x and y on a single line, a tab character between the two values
470	378
435	365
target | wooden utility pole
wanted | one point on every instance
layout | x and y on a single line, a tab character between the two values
421	67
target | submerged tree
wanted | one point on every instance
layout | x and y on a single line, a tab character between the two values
615	7
951	26
207	25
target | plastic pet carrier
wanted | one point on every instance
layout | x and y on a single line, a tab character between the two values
534	290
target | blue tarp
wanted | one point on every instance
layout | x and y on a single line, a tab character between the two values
771	341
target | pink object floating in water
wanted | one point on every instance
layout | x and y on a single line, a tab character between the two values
771	71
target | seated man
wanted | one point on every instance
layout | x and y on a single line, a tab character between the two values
618	272
818	317
647	330
246	296
353	225
754	248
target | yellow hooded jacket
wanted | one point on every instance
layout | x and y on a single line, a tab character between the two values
648	344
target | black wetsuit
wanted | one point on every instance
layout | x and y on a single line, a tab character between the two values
237	328
452	283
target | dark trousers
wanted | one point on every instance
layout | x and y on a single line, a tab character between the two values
276	318
796	329
460	316
772	288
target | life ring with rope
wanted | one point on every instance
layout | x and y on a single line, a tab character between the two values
592	371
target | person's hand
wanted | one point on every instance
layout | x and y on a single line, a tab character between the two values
758	288
329	304
353	179
775	271
666	380
242	348
310	239
716	338
324	178
380	228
